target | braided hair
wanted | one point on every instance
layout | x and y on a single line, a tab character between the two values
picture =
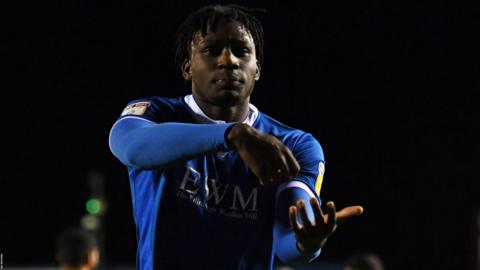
208	18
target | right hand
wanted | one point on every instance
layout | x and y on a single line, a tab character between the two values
270	160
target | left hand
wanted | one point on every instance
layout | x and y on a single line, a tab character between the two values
266	156
313	236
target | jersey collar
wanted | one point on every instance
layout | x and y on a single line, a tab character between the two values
201	117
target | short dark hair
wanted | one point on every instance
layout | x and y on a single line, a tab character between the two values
208	17
73	247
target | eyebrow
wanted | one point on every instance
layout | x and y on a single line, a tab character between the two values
245	41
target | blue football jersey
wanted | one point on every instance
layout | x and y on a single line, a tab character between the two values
210	212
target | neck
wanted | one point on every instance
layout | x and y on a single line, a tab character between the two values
234	113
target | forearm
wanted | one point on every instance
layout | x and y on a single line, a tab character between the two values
285	243
286	248
145	145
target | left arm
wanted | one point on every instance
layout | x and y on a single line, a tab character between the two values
284	238
301	229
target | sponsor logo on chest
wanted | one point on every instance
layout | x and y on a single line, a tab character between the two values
225	199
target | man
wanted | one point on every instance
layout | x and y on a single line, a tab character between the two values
77	250
215	183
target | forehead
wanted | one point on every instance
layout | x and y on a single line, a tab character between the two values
226	30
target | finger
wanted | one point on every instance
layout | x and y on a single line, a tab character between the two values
261	179
279	171
292	214
317	212
332	217
259	172
281	167
274	178
303	213
283	170
292	163
266	178
349	212
273	169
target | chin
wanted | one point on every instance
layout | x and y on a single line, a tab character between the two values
228	98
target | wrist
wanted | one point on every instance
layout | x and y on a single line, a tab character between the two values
235	133
307	251
301	249
308	256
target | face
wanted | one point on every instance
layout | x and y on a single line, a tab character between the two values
223	65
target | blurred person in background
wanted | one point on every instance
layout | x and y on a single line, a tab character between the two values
365	261
77	249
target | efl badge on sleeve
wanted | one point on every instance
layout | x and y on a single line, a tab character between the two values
321	172
136	108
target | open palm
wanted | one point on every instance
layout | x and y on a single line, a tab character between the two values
312	236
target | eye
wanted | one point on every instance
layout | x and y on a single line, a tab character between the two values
209	50
241	51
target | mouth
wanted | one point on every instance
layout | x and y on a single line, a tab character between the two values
228	78
228	82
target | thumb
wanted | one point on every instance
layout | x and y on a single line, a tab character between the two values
349	212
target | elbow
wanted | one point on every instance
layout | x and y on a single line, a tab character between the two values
123	152
133	156
138	155
125	149
130	158
131	143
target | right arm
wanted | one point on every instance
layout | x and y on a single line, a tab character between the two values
143	144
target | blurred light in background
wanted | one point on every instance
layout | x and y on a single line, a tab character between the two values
93	206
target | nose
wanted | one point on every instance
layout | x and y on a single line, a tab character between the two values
227	60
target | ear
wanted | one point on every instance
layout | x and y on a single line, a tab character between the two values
257	73
186	71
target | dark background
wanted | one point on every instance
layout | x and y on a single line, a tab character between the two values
387	87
